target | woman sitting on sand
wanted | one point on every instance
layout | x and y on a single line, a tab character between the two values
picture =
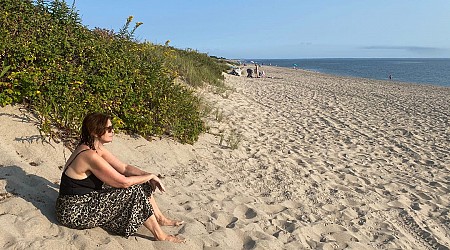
120	208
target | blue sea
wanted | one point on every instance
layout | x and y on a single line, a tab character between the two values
416	70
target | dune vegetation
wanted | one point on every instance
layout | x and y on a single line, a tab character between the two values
61	70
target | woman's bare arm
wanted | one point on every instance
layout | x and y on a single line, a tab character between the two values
109	175
123	168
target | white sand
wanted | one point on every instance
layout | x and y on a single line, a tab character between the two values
323	163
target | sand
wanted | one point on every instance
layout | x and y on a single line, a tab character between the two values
299	160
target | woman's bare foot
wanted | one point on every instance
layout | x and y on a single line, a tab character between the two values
168	222
173	238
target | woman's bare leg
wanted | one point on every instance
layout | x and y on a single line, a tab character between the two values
152	225
160	218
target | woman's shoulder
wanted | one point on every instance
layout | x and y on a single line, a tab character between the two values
82	148
97	153
80	153
83	151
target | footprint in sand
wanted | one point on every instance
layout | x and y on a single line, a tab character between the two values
249	243
244	212
223	219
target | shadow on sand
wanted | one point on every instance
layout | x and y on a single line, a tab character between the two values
32	188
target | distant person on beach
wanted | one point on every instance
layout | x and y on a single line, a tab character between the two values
262	74
123	204
249	72
236	71
390	77
256	70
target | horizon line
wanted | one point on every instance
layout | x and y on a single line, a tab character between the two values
305	58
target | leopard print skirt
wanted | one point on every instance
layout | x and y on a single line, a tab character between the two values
118	210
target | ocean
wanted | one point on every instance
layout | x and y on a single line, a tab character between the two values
413	70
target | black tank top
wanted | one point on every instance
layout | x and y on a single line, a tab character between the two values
70	186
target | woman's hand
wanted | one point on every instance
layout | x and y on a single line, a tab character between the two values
155	182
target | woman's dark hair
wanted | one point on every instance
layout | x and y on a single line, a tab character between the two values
93	124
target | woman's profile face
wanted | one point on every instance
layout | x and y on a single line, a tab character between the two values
108	135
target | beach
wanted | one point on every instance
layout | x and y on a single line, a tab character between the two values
295	160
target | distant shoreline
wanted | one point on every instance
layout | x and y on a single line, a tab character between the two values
364	78
428	71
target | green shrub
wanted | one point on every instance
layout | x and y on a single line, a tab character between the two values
63	71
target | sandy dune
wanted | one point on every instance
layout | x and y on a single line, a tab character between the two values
322	162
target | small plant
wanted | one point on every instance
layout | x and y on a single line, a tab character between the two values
234	139
218	115
206	108
226	94
222	137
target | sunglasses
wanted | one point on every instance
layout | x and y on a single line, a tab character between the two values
109	129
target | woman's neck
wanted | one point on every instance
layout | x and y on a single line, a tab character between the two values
97	144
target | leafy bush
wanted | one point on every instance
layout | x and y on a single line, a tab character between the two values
63	71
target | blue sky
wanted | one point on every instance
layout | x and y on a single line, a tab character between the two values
284	29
